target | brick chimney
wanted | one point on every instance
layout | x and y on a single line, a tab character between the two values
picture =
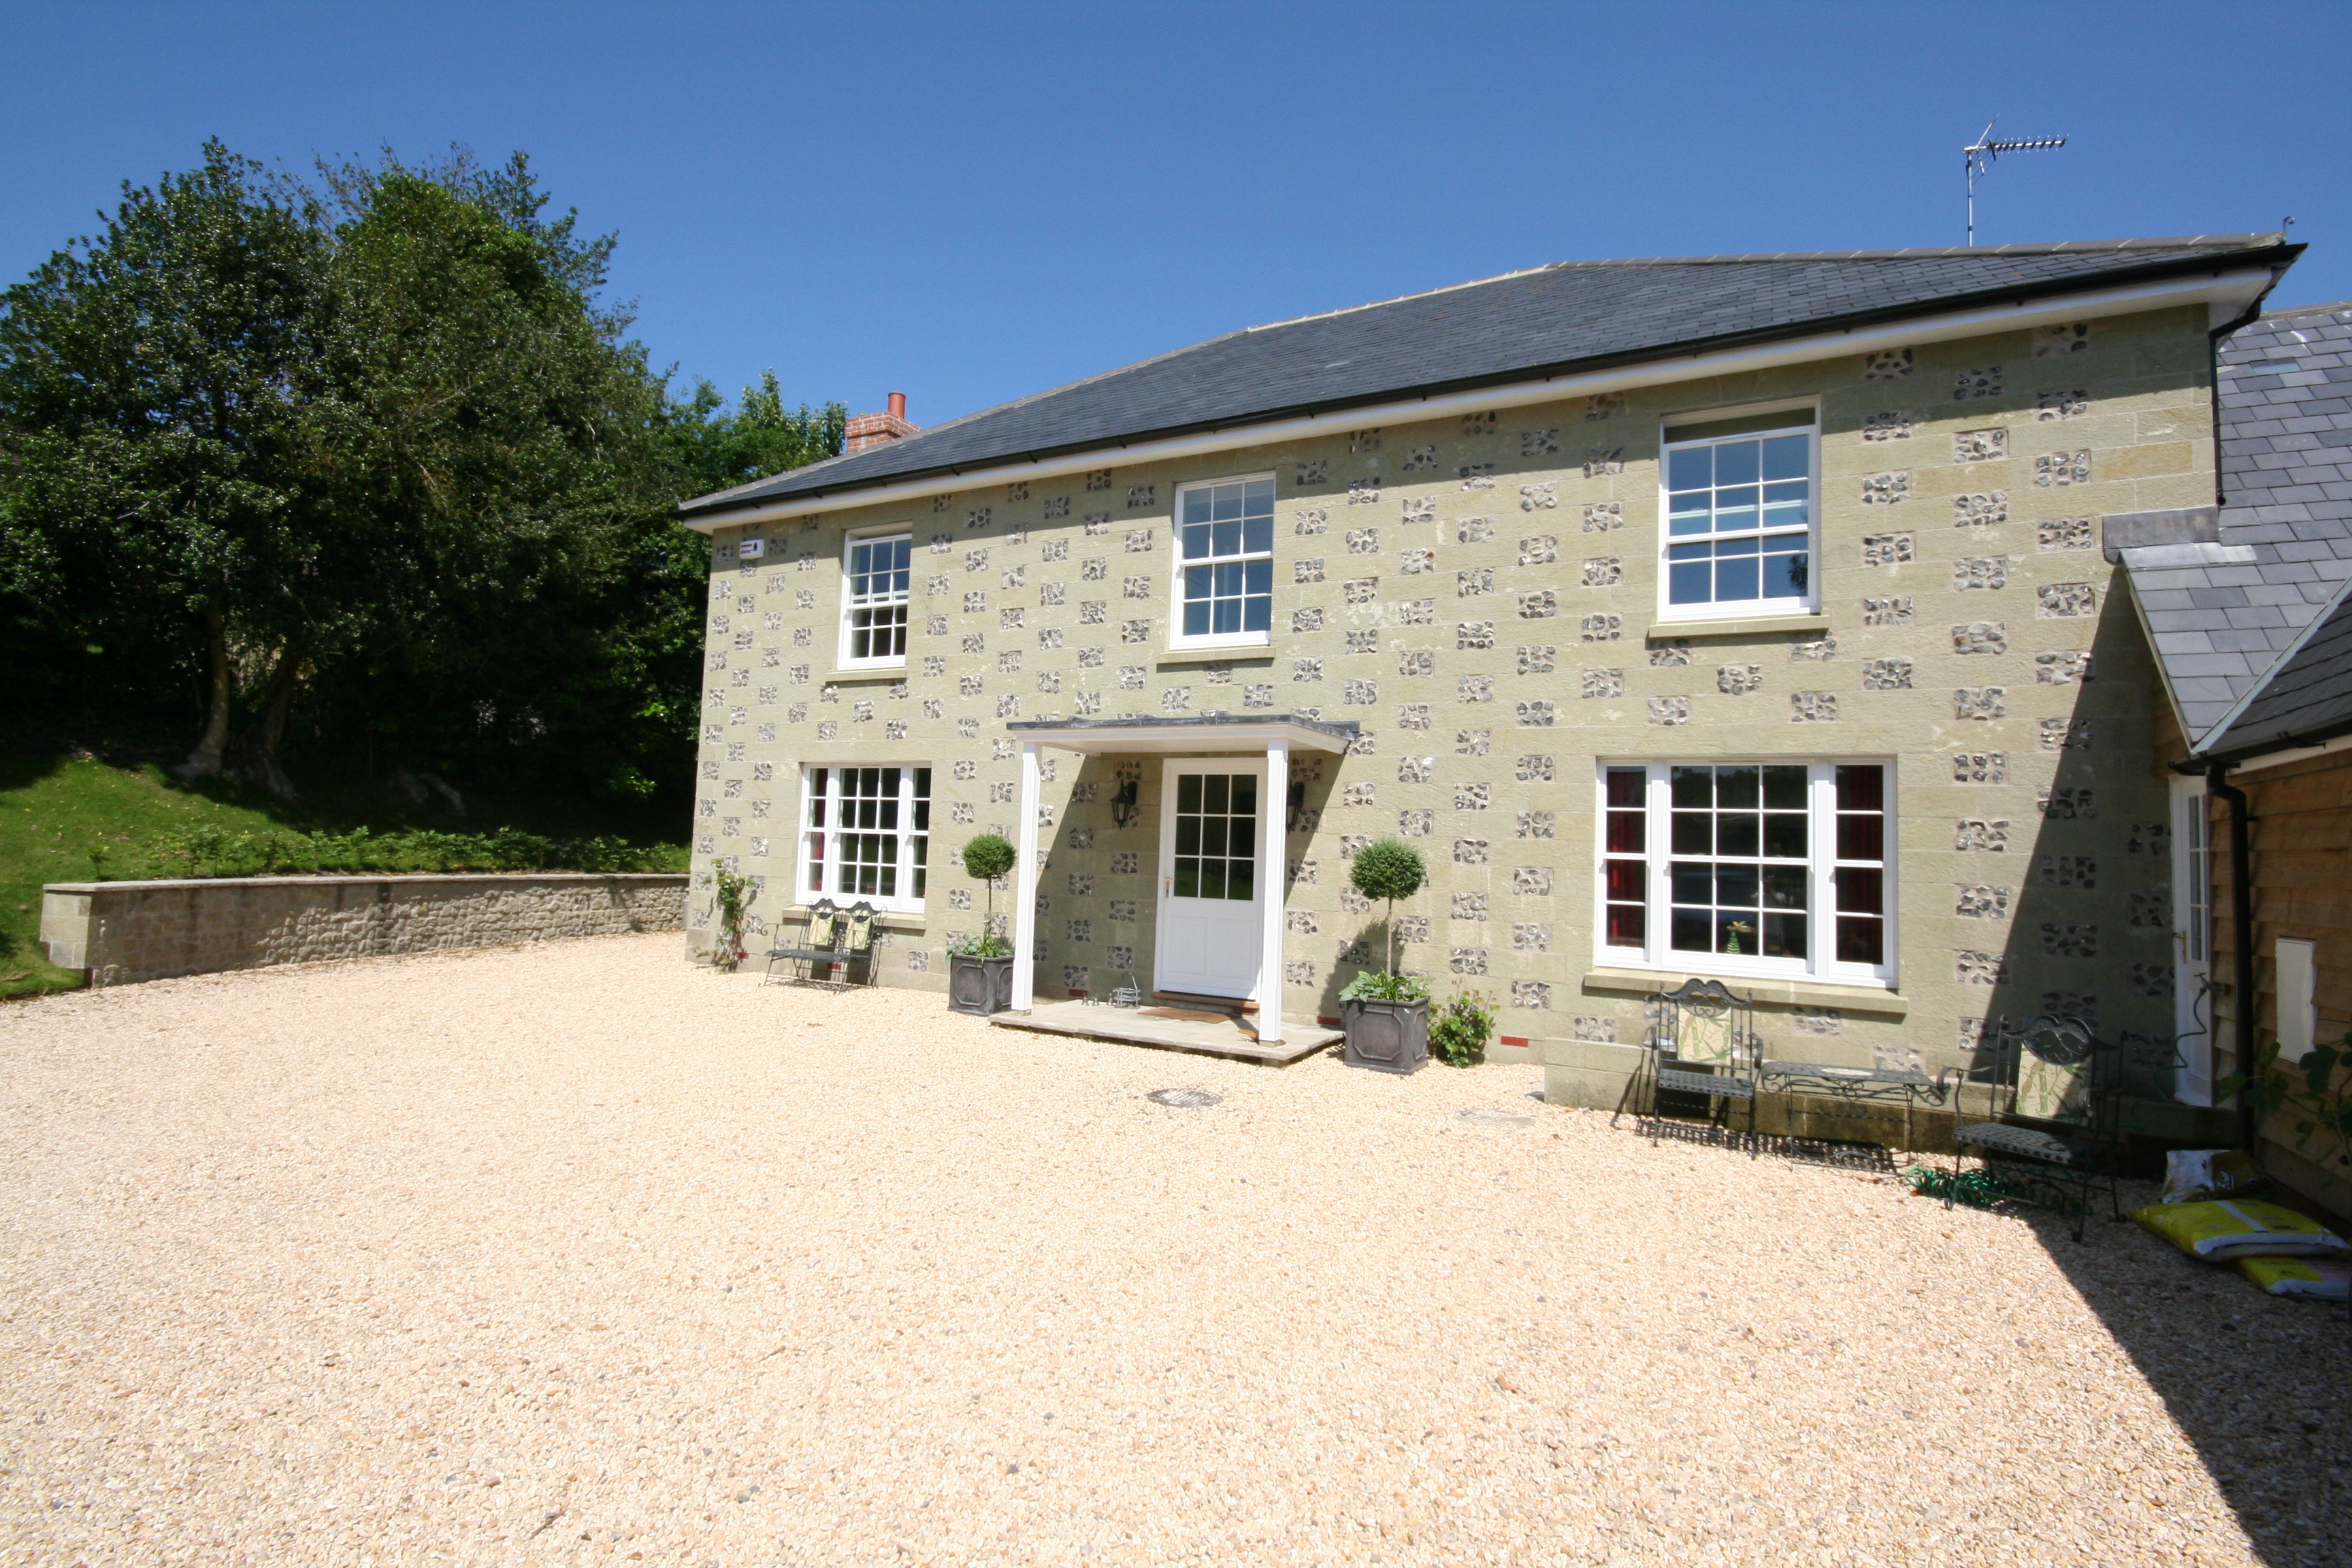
874	429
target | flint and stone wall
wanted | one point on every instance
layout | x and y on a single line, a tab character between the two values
120	932
1481	594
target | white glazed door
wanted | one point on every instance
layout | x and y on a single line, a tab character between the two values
2192	935
1212	923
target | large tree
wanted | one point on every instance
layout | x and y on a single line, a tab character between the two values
149	382
375	455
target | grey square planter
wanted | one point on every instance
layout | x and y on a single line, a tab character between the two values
982	985
1387	1036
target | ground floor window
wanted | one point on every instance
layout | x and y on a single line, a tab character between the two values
1757	867
866	833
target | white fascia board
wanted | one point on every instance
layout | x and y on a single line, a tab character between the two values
2215	291
2300	753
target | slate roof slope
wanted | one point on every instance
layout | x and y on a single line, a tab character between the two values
2222	613
2306	699
1567	316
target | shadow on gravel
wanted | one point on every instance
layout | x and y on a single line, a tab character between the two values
2260	1385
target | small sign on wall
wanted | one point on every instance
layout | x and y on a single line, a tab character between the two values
752	549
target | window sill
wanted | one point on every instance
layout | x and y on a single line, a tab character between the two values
868	672
1749	626
1248	650
1792	993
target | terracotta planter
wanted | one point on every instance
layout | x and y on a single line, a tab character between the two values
1387	1036
979	985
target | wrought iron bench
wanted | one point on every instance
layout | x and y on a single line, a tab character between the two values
2056	1137
836	938
1702	1044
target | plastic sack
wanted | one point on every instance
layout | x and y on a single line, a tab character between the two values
2322	1279
2225	1229
2193	1174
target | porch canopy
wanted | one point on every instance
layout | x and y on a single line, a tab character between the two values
1272	735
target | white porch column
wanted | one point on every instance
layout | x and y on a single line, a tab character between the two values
1273	865
1025	886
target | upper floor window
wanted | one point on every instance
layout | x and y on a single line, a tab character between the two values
1224	571
866	833
873	603
1758	868
1739	520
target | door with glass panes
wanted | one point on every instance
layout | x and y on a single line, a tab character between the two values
1210	926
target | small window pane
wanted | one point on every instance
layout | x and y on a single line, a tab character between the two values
1861	939
1861	788
1628	833
1862	837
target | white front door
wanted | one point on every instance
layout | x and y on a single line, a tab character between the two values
1212	923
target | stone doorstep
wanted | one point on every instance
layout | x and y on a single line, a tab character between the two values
1091	1021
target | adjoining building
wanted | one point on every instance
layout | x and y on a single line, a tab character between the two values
1745	616
2246	606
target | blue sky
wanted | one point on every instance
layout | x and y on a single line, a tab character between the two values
969	203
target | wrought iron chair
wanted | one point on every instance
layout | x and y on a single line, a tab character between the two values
1704	1051
836	938
2054	1093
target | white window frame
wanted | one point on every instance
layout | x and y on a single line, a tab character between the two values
842	659
904	901
1803	420
2192	938
1176	637
1821	962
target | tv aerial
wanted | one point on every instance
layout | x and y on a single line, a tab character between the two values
1980	154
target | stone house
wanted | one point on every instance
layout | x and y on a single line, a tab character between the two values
1744	616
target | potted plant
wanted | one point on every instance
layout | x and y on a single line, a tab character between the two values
980	968
1386	1015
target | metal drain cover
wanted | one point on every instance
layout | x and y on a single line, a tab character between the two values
1485	1118
1183	1096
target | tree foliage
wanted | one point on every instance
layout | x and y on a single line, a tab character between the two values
366	465
1389	869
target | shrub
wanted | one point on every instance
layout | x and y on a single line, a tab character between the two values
1388	870
1459	1033
987	858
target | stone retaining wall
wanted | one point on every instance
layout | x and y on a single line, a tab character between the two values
120	932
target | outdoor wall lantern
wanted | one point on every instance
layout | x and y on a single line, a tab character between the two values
1122	805
1298	804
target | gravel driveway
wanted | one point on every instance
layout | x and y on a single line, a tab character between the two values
574	1253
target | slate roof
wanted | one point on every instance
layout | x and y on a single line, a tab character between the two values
1552	319
2220	614
2306	699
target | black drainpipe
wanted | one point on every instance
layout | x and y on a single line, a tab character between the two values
2242	923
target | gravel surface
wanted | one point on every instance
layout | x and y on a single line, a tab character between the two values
575	1253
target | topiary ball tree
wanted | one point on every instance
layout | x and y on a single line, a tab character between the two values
989	856
1388	870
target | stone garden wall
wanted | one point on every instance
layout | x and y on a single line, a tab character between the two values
120	932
